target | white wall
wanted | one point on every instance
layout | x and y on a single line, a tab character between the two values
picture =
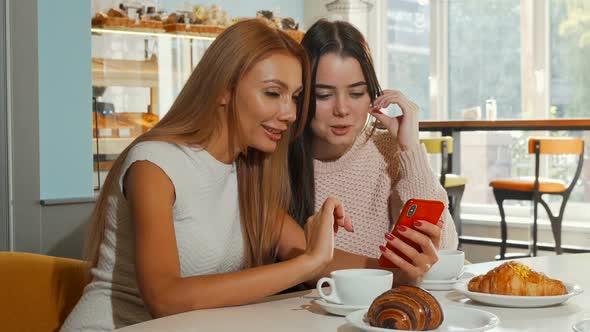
65	98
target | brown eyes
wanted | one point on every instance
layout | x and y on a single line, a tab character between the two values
272	94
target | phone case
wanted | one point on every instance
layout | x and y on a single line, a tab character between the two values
414	209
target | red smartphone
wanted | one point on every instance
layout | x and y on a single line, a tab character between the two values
414	209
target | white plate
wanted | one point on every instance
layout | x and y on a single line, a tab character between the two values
518	301
338	309
443	285
582	326
455	319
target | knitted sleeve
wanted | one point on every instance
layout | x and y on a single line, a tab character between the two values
417	180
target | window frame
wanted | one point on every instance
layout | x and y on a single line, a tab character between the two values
5	160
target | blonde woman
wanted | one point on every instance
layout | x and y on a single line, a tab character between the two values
192	214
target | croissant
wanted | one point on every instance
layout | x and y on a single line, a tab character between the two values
405	308
513	278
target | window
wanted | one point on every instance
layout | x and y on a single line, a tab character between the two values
531	57
484	58
408	50
570	58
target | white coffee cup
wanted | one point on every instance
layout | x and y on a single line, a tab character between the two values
449	266
356	286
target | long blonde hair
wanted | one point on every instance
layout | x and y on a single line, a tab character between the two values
263	181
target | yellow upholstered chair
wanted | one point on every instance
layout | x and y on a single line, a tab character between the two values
453	183
37	292
533	189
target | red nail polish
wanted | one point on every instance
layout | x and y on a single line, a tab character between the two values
401	228
388	236
382	248
417	223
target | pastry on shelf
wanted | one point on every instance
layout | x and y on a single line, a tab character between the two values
114	18
405	308
268	16
513	278
150	21
295	34
215	16
288	23
208	21
174	23
114	12
290	27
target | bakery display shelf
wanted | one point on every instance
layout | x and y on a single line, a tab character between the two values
116	72
111	146
152	33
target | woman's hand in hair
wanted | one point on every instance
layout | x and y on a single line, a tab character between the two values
404	127
321	228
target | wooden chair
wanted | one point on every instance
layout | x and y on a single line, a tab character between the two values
37	292
533	189
453	183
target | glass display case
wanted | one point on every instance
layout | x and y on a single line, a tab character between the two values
136	75
141	58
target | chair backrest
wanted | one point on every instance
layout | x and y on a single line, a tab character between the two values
37	292
434	144
443	146
557	145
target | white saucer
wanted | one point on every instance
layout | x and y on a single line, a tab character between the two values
339	309
443	285
582	326
456	318
511	301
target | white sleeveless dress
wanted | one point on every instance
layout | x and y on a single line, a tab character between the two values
206	224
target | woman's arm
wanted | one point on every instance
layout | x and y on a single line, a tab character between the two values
293	243
415	179
151	196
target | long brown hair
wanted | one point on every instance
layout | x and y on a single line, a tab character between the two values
263	181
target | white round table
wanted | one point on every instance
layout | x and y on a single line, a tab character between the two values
296	312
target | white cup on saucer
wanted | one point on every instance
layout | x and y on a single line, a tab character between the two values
355	286
449	266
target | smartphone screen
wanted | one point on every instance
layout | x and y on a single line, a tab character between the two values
414	209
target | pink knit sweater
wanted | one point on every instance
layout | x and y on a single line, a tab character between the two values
373	180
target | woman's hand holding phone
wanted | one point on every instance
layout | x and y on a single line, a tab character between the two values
412	245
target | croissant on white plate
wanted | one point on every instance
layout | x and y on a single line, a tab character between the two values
513	278
406	308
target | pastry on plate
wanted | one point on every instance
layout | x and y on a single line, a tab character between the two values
405	308
513	278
